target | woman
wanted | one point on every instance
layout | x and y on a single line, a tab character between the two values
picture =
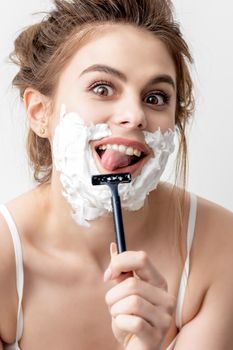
106	86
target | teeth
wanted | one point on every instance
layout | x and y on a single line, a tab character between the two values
122	148
115	147
137	153
130	151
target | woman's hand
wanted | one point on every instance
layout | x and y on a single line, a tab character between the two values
139	304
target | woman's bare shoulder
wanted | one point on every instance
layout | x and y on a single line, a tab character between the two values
25	212
8	293
215	219
19	209
213	243
214	226
211	272
210	216
28	208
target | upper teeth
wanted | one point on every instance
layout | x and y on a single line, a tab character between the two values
129	151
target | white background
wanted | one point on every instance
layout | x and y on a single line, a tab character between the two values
207	28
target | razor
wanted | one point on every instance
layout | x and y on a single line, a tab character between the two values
112	181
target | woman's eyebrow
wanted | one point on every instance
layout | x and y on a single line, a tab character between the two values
162	78
105	69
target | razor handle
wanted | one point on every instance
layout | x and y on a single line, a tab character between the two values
118	221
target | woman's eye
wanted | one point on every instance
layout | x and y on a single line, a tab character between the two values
103	90
158	99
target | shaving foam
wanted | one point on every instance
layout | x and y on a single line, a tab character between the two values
74	161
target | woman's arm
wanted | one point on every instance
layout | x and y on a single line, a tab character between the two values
212	327
8	293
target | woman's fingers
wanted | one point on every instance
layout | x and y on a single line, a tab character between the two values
138	306
135	287
137	262
138	334
133	325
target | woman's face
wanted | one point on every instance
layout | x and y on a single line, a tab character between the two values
124	77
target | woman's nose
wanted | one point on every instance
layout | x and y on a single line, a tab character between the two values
131	115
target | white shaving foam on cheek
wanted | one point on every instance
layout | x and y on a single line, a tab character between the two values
74	161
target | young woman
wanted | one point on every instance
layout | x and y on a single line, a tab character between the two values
106	87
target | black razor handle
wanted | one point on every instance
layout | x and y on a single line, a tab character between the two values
118	221
113	180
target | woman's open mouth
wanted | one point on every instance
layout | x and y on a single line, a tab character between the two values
120	155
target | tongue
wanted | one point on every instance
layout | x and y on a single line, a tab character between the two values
112	160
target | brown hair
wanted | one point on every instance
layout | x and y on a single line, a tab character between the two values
43	50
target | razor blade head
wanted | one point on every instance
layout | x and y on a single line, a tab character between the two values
111	179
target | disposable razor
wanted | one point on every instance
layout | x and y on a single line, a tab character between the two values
112	181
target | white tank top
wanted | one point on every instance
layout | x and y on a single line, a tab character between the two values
20	273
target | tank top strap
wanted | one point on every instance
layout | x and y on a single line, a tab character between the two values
19	269
185	273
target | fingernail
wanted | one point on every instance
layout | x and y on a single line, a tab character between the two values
107	274
113	249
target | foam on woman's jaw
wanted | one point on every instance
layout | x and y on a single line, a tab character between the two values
74	161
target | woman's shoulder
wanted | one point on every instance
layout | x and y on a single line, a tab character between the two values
27	209
214	221
8	297
211	268
211	260
13	216
8	291
210	216
19	212
25	212
214	227
211	257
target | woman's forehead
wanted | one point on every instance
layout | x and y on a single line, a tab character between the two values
126	48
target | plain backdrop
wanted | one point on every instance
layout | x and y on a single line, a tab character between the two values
207	26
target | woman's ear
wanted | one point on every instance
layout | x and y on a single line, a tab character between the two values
36	106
